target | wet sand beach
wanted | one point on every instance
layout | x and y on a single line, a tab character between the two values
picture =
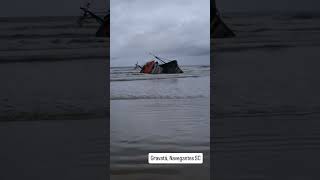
266	99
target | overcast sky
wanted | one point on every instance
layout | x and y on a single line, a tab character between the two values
171	28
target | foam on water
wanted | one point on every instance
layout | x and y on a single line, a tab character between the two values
270	32
127	83
49	39
43	59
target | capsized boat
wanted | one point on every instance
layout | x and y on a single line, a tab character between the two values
218	28
104	29
154	67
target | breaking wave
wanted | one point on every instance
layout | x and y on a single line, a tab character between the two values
130	74
153	78
128	97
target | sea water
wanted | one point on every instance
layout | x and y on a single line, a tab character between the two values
158	113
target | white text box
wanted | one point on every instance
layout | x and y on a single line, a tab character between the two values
175	158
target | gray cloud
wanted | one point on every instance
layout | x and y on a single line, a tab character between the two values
174	28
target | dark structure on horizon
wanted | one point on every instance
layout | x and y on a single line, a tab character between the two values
218	28
104	29
167	66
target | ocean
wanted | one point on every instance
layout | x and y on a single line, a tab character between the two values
266	103
158	113
53	99
266	97
50	68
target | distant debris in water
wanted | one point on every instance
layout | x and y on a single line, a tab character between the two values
154	67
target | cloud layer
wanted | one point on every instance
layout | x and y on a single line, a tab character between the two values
173	28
